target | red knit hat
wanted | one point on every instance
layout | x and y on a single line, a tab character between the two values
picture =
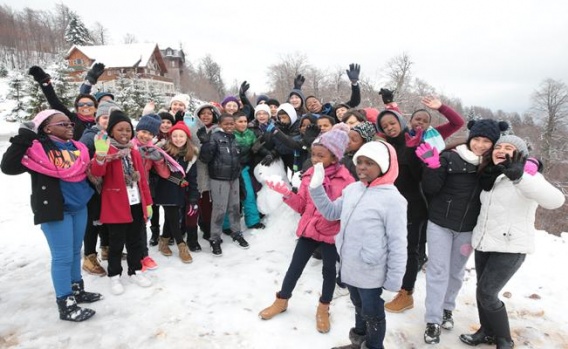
180	125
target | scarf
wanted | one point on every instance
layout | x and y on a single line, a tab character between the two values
467	155
130	174
66	165
86	119
330	172
432	137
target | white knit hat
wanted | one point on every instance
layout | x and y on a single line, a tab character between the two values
183	98
377	151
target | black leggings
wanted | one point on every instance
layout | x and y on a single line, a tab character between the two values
172	224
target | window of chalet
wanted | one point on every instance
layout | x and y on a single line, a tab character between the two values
78	61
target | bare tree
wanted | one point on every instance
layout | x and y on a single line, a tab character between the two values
281	75
129	38
99	34
399	73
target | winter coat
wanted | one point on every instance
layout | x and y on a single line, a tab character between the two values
454	190
88	138
168	193
115	207
203	171
371	242
221	154
506	221
245	140
312	224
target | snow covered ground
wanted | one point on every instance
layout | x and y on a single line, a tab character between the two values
214	302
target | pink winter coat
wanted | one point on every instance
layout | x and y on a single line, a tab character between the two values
312	224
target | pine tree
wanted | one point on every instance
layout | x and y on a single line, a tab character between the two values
76	33
122	92
35	101
156	97
3	71
138	96
61	82
16	92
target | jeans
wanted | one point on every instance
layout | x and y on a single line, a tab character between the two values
65	239
369	314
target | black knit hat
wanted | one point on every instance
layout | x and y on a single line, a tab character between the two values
150	123
167	116
487	128
115	117
273	101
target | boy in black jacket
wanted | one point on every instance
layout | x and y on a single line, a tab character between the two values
220	152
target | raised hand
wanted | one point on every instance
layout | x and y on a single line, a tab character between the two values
432	102
299	81
179	115
514	166
203	135
102	144
353	72
94	73
317	176
279	187
387	95
38	74
244	88
428	155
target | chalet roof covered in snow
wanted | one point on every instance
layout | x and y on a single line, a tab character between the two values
120	56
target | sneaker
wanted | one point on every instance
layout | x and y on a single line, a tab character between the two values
116	287
240	240
140	280
432	333
258	225
149	264
401	302
447	320
216	248
194	246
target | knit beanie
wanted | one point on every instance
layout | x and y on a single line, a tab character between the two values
516	141
273	101
100	95
180	125
81	96
336	140
378	152
262	107
150	123
182	97
229	99
366	130
400	118
261	98
167	116
115	117
43	115
105	108
487	128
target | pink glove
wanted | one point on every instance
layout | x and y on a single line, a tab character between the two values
428	155
279	187
192	210
411	141
531	166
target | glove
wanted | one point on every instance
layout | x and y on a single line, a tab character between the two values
192	211
387	95
203	135
299	81
38	74
149	211
270	127
310	134
28	125
532	166
414	141
244	88
94	73
150	153
268	159
279	187
179	116
514	167
317	176
353	72
102	144
428	155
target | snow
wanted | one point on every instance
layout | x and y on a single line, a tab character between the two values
118	56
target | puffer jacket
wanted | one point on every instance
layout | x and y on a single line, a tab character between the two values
221	154
506	221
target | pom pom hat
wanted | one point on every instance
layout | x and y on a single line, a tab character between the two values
336	140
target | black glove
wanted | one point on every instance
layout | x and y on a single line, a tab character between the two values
179	116
268	159
94	73
353	72
244	88
38	74
299	81
203	135
387	95
514	167
27	133
310	134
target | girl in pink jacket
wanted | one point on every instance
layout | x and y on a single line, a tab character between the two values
313	229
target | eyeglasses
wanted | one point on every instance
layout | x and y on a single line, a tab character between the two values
86	104
64	124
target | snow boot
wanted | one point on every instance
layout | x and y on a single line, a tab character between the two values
499	322
356	340
163	246
322	318
92	266
192	242
82	296
447	320
279	306
70	311
401	302
155	238
184	254
479	337
432	333
504	343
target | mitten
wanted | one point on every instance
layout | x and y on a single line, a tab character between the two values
532	166
317	176
244	88
387	95
179	116
94	73
149	211
102	144
310	134
353	72
514	166
279	187
203	135
270	127
268	159
192	211
428	155
299	81
38	74
26	134
413	141
150	153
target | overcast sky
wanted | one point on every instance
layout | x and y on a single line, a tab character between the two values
486	52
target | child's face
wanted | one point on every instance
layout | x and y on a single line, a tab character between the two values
313	105
227	125
262	117
391	126
231	107
206	116
501	151
480	145
367	170
355	141
164	126
284	118
177	106
60	126
122	132
296	101
179	138
144	137
352	121
103	121
273	110
420	121
323	155
324	125
305	123
339	112
241	123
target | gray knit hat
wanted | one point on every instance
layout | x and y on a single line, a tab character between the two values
105	108
516	141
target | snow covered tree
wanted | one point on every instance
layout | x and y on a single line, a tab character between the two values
138	95
61	83
76	33
3	71
16	92
35	101
122	92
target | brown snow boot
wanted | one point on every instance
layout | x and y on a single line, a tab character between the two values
184	254
92	266
401	302
322	318
163	246
279	306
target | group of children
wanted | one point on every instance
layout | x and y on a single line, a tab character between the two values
370	188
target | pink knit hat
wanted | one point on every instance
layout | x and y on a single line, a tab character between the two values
42	116
336	140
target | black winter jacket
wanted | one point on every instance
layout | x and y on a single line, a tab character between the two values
168	193
221	154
